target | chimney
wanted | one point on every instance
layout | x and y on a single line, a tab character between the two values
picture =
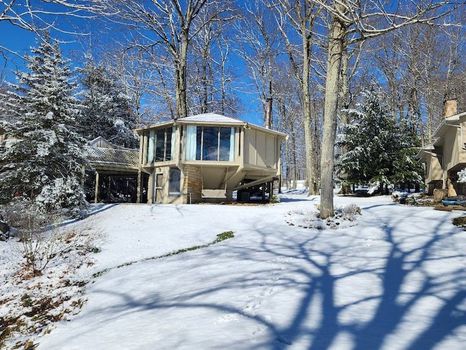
450	107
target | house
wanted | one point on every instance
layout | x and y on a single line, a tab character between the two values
207	157
447	153
112	175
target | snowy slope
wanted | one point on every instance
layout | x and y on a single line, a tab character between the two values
394	281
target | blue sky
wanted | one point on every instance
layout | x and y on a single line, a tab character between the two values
74	47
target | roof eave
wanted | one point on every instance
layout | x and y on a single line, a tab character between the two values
155	126
270	131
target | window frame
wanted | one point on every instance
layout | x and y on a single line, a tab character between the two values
174	193
166	156
218	131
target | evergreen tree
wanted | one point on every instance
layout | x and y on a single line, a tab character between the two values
407	168
379	150
107	110
46	160
369	142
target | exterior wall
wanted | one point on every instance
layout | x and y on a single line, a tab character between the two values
260	149
192	184
453	158
159	192
450	148
434	170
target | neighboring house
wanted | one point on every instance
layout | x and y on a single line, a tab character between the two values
113	172
207	157
447	153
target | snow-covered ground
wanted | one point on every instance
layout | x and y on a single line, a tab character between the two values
396	280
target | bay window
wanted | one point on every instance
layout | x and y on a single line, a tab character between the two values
210	143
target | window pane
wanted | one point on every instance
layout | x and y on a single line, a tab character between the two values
210	144
168	145
198	143
174	182
150	151
159	145
225	135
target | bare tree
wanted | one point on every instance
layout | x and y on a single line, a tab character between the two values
301	16
211	76
354	22
289	119
170	26
259	47
41	15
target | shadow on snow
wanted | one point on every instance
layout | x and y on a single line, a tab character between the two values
314	271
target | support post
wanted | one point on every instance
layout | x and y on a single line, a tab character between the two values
150	189
139	187
97	187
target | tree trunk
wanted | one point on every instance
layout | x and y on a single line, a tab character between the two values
181	97
335	50
205	89
268	108
308	123
344	105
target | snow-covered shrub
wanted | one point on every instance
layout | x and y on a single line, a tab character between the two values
275	199
38	231
344	217
4	229
62	196
21	213
32	303
462	176
349	212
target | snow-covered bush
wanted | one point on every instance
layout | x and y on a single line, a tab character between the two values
4	229
344	217
462	176
349	212
32	299
62	196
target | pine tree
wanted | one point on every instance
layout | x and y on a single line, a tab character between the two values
407	168
107	110
379	149
370	143
45	162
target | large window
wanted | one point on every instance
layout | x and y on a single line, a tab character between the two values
174	181
160	145
210	143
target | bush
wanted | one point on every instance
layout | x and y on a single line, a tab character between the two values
62	196
40	235
349	212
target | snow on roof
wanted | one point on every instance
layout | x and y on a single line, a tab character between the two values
211	118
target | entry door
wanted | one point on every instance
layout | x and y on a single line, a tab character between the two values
158	188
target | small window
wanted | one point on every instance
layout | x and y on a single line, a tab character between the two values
174	183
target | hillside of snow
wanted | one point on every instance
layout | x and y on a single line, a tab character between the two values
393	280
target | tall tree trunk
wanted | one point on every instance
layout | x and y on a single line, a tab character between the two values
181	85
344	105
205	91
308	123
295	161
268	107
335	51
